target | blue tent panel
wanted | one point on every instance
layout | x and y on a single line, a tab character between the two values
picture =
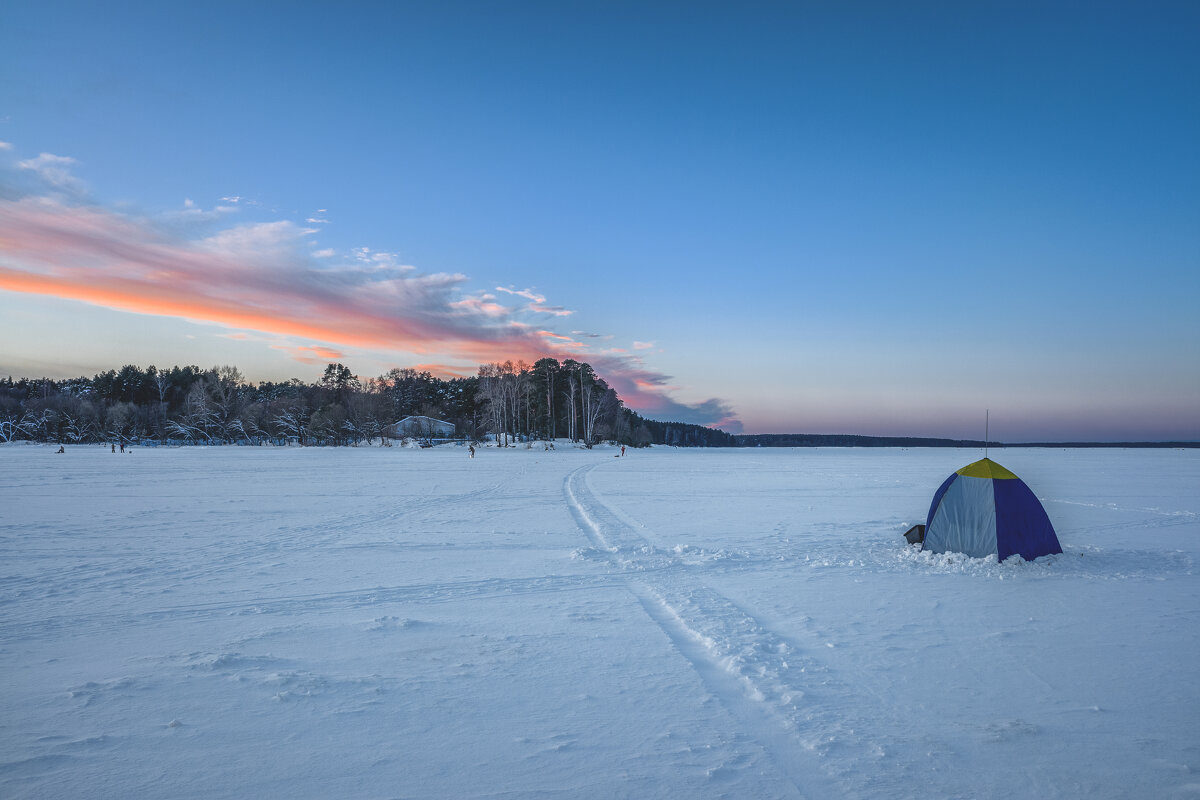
1022	526
937	498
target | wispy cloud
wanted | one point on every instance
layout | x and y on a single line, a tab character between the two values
537	302
557	311
6	146
528	294
380	258
643	345
191	213
55	171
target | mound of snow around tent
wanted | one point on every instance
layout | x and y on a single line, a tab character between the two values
395	622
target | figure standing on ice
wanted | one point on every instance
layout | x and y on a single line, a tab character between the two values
472	449
622	449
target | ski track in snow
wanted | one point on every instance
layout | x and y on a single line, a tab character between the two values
759	677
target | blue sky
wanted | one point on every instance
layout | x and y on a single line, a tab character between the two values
873	218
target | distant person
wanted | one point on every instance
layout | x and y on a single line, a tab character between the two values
472	449
114	447
61	449
122	447
622	449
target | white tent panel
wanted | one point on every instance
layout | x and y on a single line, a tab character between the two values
965	521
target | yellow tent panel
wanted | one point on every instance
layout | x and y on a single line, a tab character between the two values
986	468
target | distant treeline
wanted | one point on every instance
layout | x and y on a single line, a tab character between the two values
190	405
847	440
510	401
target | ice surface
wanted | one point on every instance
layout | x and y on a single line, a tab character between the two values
386	622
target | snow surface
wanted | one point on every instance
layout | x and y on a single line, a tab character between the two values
387	622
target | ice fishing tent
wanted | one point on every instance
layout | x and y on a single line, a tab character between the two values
983	509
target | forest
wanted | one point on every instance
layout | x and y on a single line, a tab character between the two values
506	402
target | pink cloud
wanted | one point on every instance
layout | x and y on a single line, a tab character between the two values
648	393
445	371
483	304
256	277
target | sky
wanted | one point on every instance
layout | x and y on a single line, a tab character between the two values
875	218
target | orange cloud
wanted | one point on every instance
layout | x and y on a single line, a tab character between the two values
314	354
558	343
444	371
251	277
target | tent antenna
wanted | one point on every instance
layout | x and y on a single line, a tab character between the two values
986	414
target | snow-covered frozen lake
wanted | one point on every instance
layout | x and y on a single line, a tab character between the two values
386	622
